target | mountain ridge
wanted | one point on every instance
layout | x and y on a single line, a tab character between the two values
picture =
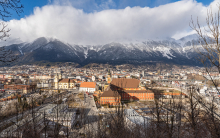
160	50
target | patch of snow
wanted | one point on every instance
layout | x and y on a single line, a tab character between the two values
86	52
20	51
164	51
48	47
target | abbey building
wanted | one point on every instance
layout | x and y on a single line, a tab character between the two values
60	83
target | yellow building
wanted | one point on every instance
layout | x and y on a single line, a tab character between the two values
63	83
66	84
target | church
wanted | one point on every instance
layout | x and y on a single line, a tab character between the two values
60	83
122	89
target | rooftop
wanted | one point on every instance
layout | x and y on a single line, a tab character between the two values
125	83
88	84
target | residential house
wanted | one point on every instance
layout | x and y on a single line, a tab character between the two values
88	87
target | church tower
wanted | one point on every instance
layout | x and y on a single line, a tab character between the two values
109	79
60	76
56	80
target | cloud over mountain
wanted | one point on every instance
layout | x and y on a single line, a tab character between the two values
75	26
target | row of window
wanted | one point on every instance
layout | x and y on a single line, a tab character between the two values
127	97
116	101
110	101
135	98
108	98
135	94
65	87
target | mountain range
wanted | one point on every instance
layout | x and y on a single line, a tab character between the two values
166	50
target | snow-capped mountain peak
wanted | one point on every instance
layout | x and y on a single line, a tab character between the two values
158	50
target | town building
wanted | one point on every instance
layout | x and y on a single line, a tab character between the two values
60	83
66	84
88	87
123	89
23	87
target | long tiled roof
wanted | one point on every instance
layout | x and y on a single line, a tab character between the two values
110	93
64	81
88	84
125	83
137	91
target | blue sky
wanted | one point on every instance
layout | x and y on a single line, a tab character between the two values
89	6
106	21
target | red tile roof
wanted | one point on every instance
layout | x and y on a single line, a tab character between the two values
110	93
125	83
88	84
64	81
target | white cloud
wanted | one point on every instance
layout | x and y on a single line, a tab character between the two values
77	27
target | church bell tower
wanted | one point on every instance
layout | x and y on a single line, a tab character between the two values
56	80
109	77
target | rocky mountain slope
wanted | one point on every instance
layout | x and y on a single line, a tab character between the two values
159	50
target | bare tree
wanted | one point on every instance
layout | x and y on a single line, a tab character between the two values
7	5
6	8
4	31
209	55
209	46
